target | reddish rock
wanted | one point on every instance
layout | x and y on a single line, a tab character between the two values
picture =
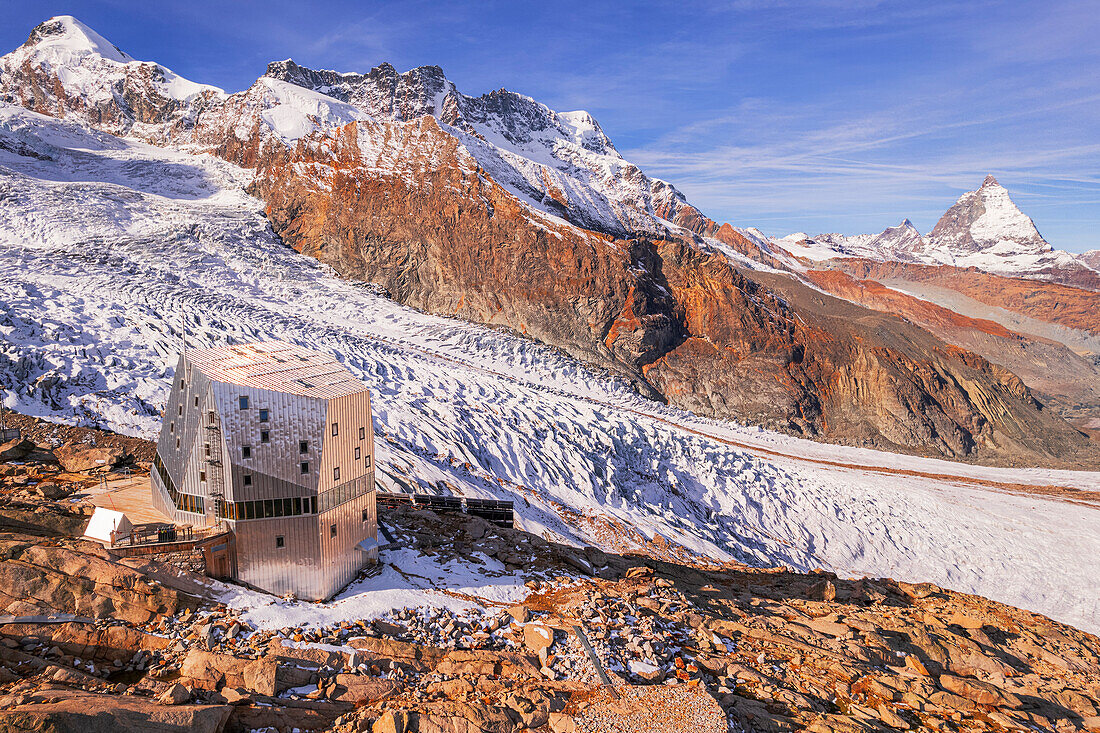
76	458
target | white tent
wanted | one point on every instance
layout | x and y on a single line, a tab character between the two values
107	525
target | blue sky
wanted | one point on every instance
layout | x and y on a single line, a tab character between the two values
787	115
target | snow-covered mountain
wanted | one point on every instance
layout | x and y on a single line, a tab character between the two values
560	163
894	242
111	249
984	229
67	69
986	220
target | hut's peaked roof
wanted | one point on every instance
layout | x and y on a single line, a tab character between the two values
279	367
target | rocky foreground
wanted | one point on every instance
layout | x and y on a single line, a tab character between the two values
603	642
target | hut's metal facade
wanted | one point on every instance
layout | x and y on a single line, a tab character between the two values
274	441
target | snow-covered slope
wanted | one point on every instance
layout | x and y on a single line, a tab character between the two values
110	249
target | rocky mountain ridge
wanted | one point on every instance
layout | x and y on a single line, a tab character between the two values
457	215
600	640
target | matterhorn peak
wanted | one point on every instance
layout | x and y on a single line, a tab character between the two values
986	220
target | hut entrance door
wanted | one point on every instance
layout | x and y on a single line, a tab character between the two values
217	560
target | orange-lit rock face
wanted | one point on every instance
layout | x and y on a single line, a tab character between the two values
401	205
775	352
1046	301
877	296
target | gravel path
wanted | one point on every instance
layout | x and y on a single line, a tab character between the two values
652	709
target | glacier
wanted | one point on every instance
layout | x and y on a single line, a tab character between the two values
115	254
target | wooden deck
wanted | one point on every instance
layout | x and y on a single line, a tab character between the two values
131	496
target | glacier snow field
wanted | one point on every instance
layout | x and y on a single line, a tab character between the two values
111	250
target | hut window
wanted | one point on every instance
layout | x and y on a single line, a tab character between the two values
366	462
303	447
305	466
211	418
358	454
179	410
196	404
280	541
177	443
171	427
264	415
336	473
202	475
335	429
246	451
362	433
332	531
366	515
248	479
243	400
206	446
265	436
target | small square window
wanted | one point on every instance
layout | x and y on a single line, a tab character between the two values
358	454
362	433
246	451
332	531
303	446
280	541
265	436
243	400
336	473
366	515
335	429
264	415
248	479
305	466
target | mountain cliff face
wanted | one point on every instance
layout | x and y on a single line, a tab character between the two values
502	211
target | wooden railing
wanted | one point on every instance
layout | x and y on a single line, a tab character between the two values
157	534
